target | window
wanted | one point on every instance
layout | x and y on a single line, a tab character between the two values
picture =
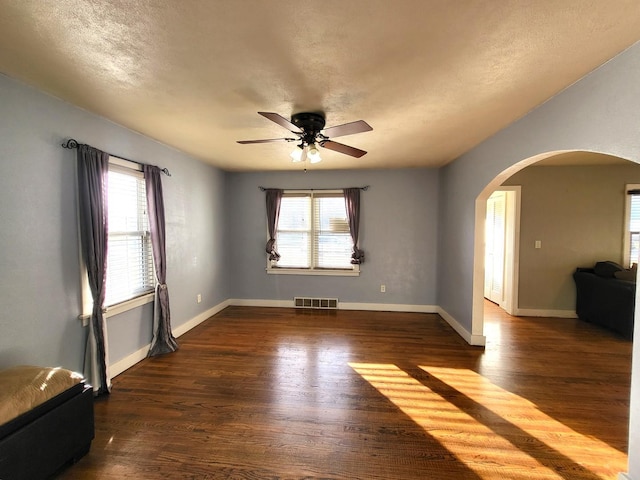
129	251
313	234
632	225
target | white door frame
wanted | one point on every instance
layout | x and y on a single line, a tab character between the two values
512	249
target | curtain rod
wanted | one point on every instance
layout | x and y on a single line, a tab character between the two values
71	143
365	188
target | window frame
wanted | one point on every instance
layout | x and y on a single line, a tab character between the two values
272	267
135	301
626	236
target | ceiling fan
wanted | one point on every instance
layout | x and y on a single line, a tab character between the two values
310	132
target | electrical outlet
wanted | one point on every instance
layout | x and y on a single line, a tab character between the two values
383	288
199	298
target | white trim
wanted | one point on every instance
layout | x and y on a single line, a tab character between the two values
130	304
626	241
130	360
198	319
623	476
512	244
247	302
121	162
540	312
374	307
121	307
388	307
304	271
471	339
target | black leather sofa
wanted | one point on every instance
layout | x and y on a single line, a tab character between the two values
605	300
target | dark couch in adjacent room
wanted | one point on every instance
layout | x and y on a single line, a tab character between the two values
605	295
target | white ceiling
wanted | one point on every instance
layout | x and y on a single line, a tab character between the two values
432	77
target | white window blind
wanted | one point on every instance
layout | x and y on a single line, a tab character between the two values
332	240
294	232
634	228
129	254
313	232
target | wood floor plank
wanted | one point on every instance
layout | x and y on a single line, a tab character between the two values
271	393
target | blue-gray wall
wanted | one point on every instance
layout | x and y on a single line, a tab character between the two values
39	262
398	228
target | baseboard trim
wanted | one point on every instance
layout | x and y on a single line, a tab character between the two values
197	320
388	307
471	339
130	360
535	312
247	302
475	340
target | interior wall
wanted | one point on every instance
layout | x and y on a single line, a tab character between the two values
577	213
39	259
398	228
600	113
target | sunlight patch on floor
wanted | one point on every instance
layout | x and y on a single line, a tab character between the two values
582	449
477	446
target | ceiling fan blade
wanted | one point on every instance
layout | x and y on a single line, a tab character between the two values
342	148
268	140
280	120
358	126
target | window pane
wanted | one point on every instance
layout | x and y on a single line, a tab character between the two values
332	238
129	253
333	251
295	213
635	247
634	217
294	250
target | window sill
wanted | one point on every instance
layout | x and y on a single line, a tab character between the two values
129	304
299	271
122	307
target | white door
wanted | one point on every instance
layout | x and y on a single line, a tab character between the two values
495	235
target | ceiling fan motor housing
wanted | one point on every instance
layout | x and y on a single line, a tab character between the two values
310	124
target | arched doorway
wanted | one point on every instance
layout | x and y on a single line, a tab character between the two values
596	172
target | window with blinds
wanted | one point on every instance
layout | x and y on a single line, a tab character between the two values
632	233
313	232
129	254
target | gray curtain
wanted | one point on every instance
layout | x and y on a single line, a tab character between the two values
93	170
163	339
352	203
274	198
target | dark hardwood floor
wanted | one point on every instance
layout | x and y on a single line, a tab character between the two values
269	393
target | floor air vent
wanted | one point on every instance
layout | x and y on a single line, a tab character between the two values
308	302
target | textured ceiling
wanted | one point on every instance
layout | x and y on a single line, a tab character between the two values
433	78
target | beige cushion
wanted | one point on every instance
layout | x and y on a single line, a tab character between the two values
25	387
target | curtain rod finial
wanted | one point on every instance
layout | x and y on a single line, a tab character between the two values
71	143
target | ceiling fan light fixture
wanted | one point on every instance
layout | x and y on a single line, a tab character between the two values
296	155
313	154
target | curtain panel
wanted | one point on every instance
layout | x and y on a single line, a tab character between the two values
352	204
163	339
93	169
273	199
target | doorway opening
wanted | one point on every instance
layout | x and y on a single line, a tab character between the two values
502	240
